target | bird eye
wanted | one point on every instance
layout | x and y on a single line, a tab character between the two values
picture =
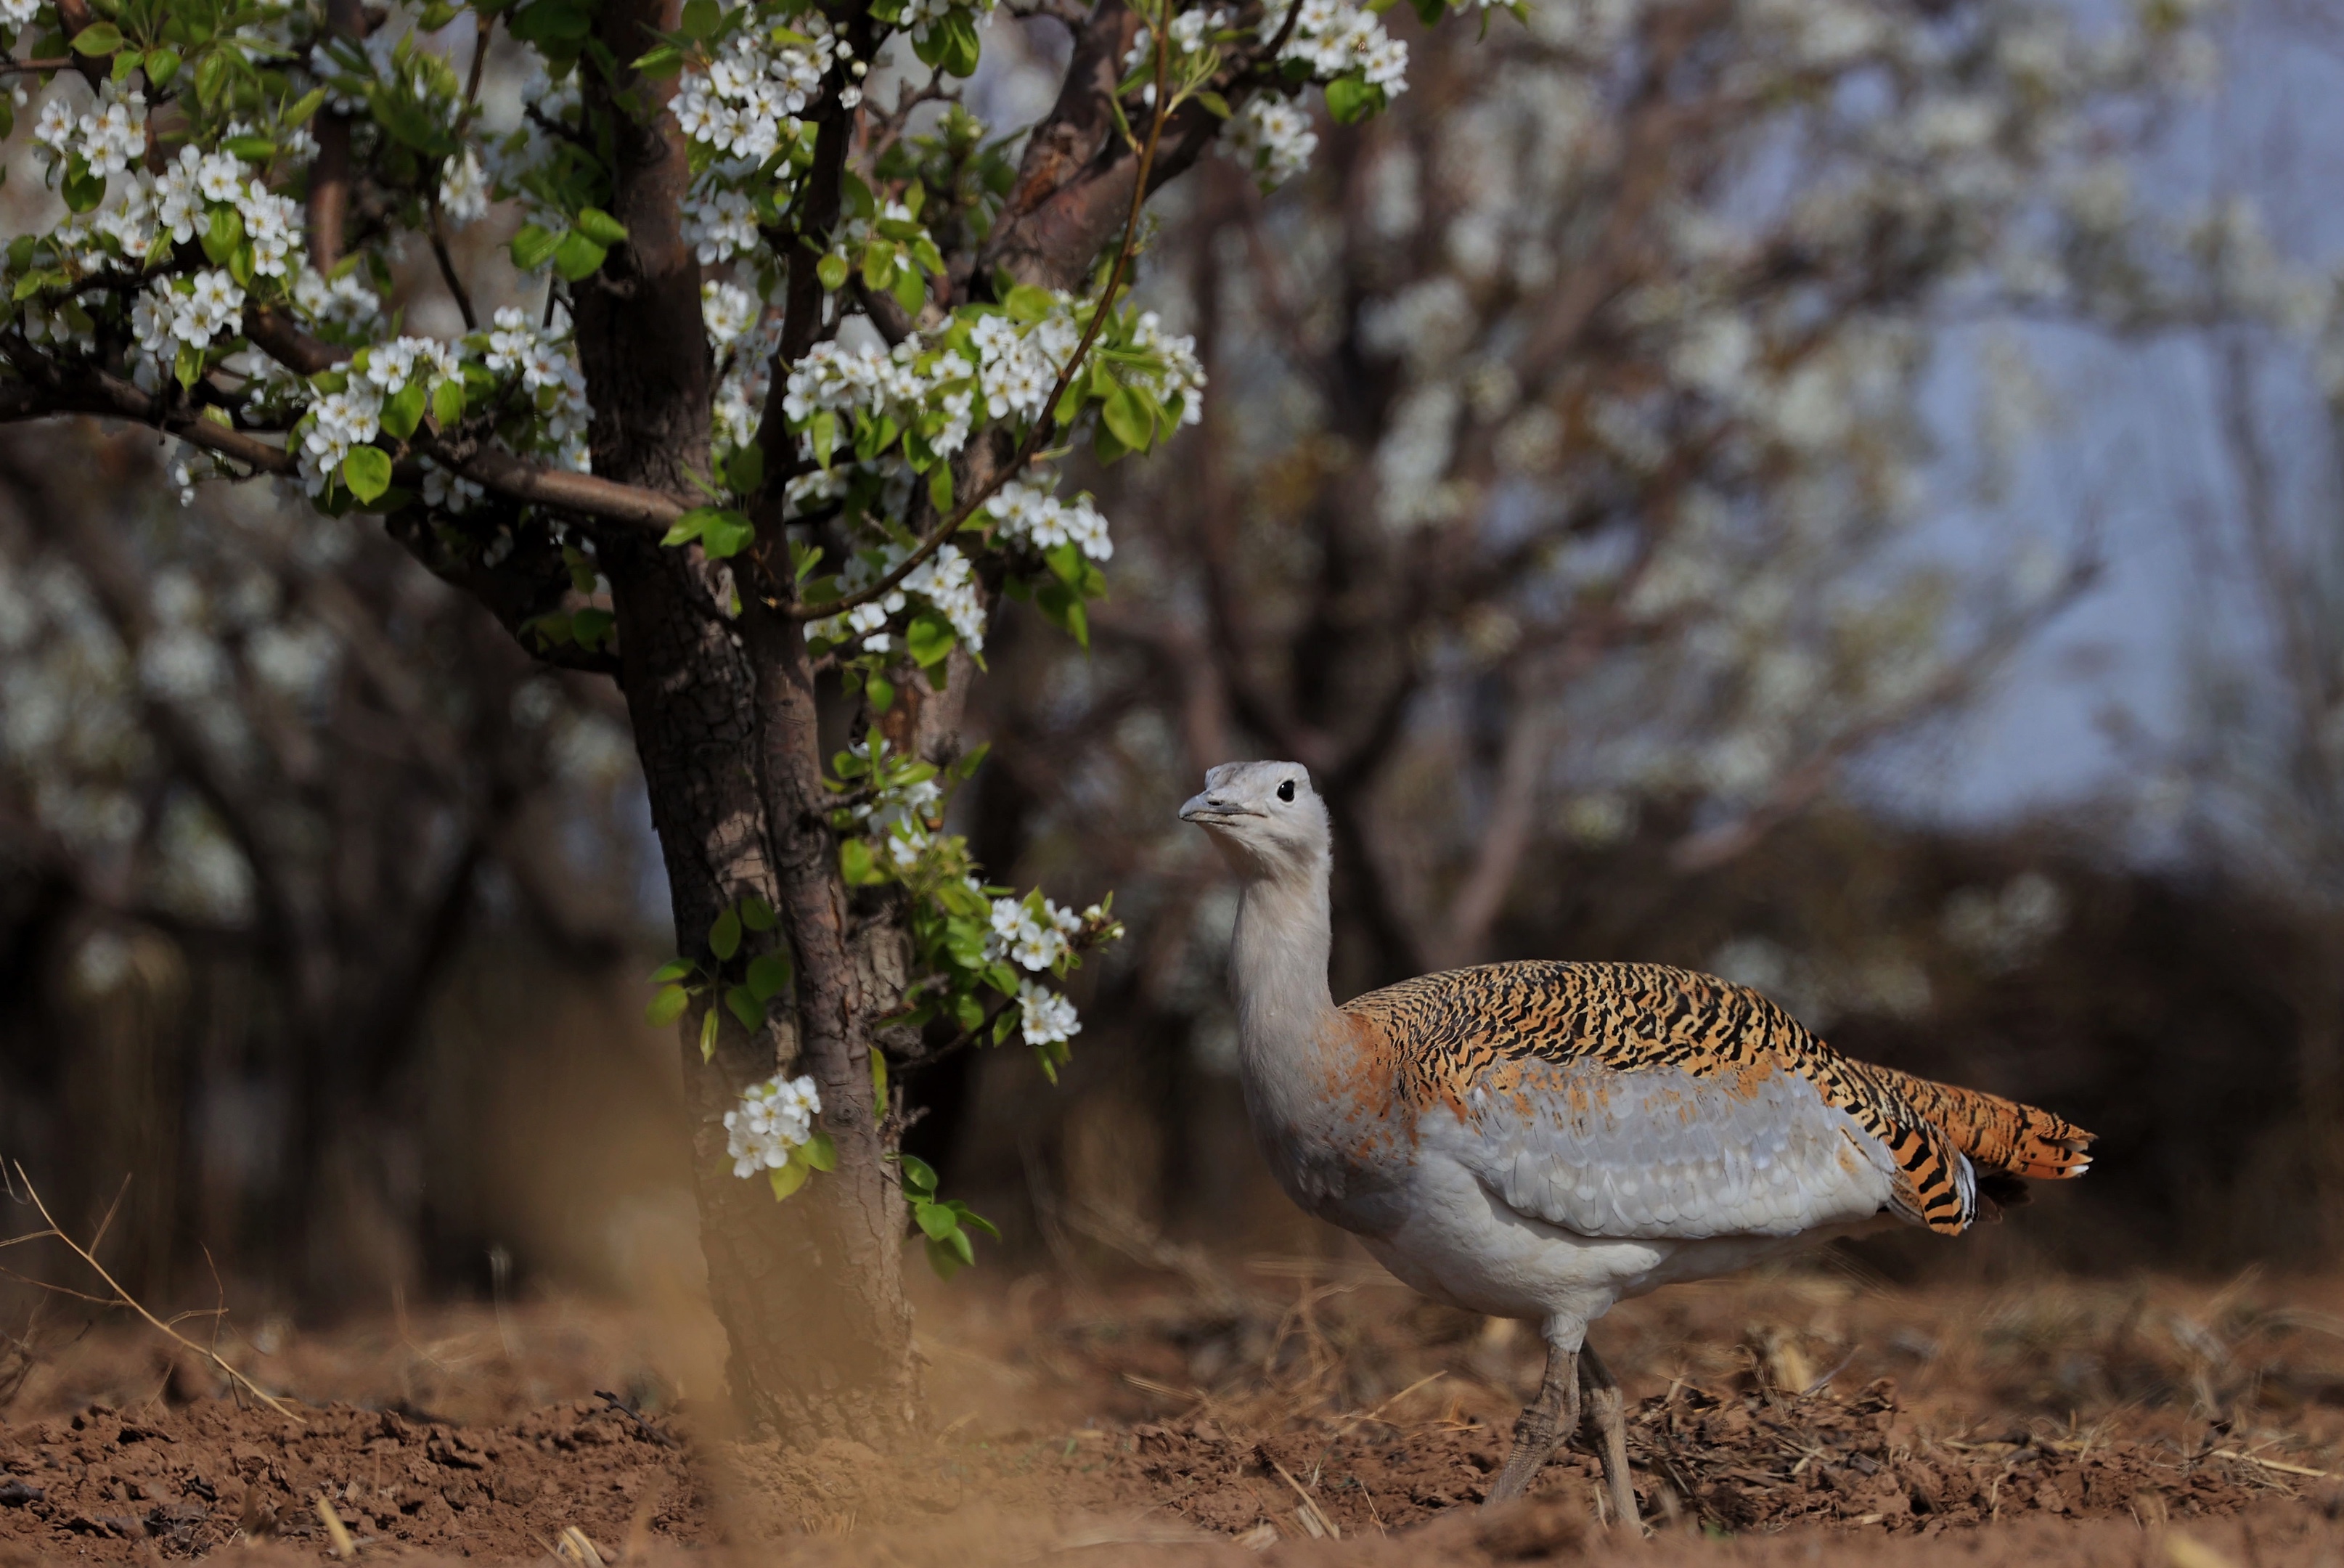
1285	790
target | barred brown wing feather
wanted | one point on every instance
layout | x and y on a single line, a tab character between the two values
1467	1029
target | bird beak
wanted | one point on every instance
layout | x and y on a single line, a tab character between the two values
1208	808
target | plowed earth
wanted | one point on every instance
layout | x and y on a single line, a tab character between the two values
1151	1428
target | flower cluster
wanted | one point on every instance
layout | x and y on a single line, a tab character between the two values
719	225
1176	371
1335	39
1030	515
728	311
549	372
1190	30
176	313
740	402
1272	138
108	138
774	1120
744	103
1044	1017
891	383
1018	362
1032	932
946	580
464	189
348	301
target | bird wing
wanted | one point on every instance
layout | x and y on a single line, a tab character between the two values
1662	1152
1553	1073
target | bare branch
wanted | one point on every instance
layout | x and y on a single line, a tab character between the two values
125	1298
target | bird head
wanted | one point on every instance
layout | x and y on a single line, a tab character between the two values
1264	817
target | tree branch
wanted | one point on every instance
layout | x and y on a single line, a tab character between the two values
1046	422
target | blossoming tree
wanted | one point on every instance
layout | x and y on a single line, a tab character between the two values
765	426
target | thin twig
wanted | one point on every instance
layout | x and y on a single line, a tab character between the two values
484	23
636	1416
125	1298
25	67
448	271
1046	424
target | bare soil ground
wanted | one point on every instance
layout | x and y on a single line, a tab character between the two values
1302	1407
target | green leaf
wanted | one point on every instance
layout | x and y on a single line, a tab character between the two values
958	53
162	65
448	402
221	234
97	38
878	267
744	471
304	107
879	1084
84	188
404	412
577	257
724	936
257	149
756	913
593	628
942	1260
210	74
701	18
819	1151
911	291
601	227
367	472
1027	303
1219	107
935	1221
667	1006
787	1179
823	429
708	1035
929	638
769	975
919	1176
673	969
1122	414
855	865
746	1008
664	61
533	246
832	270
970	1219
1352	99
726	534
940	489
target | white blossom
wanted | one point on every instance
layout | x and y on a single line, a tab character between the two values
1273	137
1044	1017
774	1119
464	189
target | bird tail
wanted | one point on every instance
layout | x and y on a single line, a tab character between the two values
1999	1135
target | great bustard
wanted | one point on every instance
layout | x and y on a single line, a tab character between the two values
1538	1141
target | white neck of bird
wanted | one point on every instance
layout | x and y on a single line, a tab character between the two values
1277	959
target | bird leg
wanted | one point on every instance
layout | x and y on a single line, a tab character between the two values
1545	1422
1607	1422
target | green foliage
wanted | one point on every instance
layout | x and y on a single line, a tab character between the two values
735	973
944	1223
